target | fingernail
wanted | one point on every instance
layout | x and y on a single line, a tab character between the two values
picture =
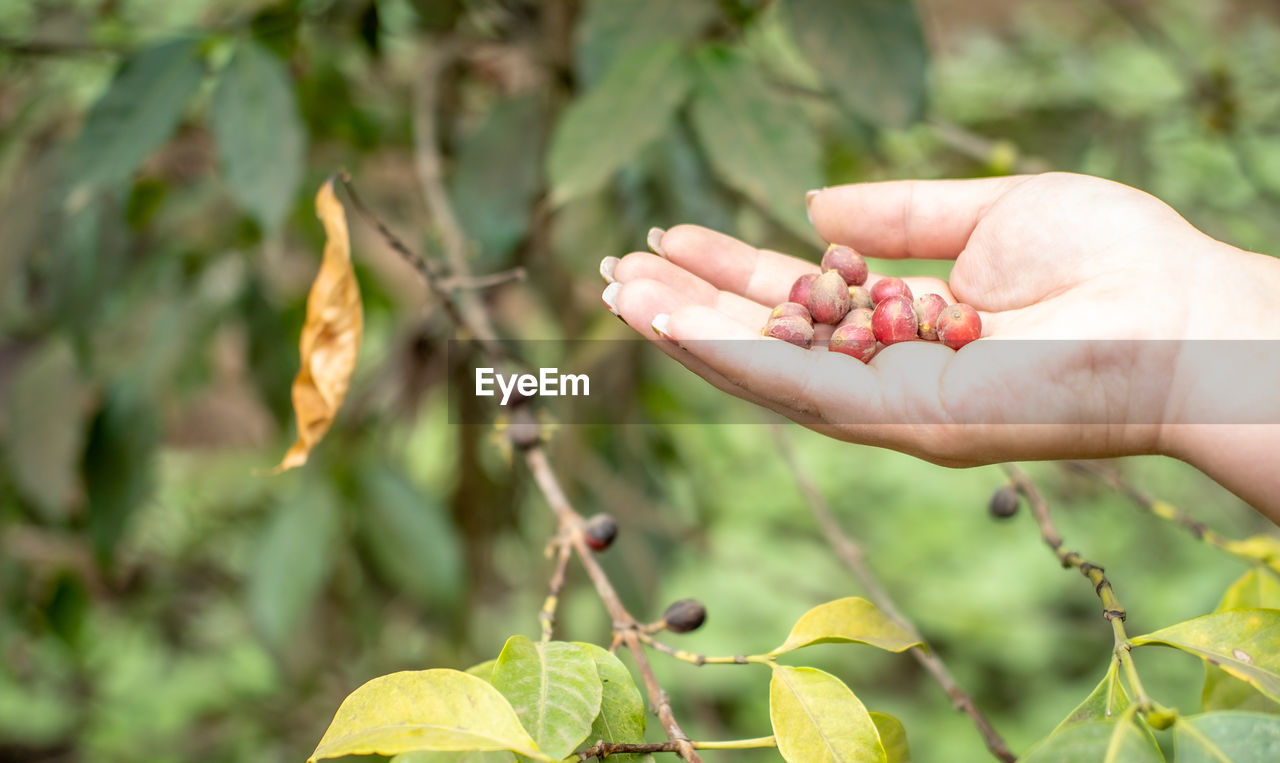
610	297
808	204
659	325
607	266
654	240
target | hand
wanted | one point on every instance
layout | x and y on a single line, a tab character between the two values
1046	257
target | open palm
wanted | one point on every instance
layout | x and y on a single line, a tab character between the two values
1080	269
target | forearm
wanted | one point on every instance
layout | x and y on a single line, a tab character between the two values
1225	402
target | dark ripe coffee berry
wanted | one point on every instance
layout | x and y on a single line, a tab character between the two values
927	309
684	616
800	289
848	263
829	299
792	329
894	320
791	308
600	531
890	287
958	325
1004	502
861	297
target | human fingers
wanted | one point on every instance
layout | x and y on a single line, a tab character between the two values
927	219
725	263
644	266
640	302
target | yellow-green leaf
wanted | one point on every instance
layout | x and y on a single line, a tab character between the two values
445	710
483	670
468	756
553	687
817	718
1264	548
1259	587
851	619
1243	642
893	737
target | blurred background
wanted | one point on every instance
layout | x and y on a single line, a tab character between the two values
162	600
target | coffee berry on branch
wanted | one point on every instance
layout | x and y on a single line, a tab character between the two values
866	320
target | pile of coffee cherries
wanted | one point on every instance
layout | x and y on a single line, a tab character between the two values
866	319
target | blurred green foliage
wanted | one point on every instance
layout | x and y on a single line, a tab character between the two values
160	599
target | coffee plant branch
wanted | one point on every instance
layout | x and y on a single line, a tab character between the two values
851	554
1112	610
1256	553
527	439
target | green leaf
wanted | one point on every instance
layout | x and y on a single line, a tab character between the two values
605	128
260	139
137	113
292	562
817	718
622	717
483	670
1116	741
118	462
754	138
893	737
1259	587
445	710
849	620
1228	737
1243	642
554	688
44	434
609	29
871	53
1095	706
411	538
497	176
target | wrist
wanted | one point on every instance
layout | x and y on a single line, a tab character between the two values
1227	364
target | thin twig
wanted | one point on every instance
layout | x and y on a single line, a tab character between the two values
548	614
455	283
56	48
625	626
1112	611
605	749
570	522
1111	608
701	659
850	552
430	170
1242	549
986	150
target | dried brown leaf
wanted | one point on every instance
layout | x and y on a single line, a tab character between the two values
330	337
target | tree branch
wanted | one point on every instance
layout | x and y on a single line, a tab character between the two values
851	554
1171	513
